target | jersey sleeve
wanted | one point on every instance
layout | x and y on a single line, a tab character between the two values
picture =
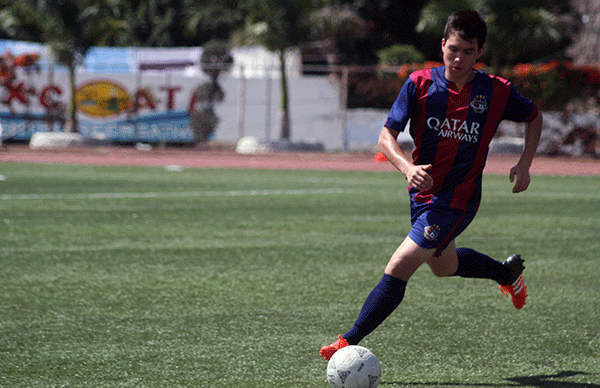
403	107
519	108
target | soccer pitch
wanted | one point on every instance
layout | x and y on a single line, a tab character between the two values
145	277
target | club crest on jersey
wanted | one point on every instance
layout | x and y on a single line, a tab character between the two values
479	104
431	232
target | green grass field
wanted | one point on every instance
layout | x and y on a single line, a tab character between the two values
144	277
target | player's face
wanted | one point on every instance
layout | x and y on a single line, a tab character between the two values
460	57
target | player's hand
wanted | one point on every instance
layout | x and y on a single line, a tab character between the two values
522	176
418	177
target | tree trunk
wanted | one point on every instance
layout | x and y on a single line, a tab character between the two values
284	114
73	105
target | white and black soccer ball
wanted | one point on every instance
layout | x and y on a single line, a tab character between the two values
353	367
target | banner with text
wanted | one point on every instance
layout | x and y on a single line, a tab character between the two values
151	106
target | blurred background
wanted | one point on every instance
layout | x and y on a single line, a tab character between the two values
275	75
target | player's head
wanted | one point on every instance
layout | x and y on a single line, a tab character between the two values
468	24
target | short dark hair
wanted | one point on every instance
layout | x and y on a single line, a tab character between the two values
468	24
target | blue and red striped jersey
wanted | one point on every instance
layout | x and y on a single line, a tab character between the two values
452	130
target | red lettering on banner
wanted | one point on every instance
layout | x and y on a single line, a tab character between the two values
142	99
46	97
16	91
193	102
171	95
50	96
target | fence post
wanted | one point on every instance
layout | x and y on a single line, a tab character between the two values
268	96
241	103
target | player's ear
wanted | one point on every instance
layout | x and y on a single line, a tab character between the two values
480	52
443	42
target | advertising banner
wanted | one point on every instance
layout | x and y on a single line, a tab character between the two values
124	105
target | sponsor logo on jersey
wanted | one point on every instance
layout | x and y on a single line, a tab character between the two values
455	128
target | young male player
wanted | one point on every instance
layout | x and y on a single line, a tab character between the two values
454	112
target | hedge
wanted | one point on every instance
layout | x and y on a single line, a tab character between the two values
553	86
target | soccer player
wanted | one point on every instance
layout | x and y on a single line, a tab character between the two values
454	112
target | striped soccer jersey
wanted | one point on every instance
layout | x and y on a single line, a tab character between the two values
452	130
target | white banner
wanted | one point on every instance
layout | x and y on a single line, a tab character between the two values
124	105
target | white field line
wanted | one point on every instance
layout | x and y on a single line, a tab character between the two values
549	195
232	193
255	193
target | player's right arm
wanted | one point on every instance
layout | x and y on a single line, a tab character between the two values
416	176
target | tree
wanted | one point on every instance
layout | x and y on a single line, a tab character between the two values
154	23
69	27
517	30
211	20
399	54
345	29
523	32
389	23
215	59
279	25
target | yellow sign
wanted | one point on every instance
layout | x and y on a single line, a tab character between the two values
102	98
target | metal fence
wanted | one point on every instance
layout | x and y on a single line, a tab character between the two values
317	104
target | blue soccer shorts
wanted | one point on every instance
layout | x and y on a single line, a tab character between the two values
436	226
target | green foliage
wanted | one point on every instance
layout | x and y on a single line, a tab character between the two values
517	31
70	27
278	25
218	278
215	59
203	122
210	93
399	54
434	15
283	24
154	23
212	19
339	21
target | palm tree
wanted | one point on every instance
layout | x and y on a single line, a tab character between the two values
344	28
282	24
211	20
69	27
518	33
155	23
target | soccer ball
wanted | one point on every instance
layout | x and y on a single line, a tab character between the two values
353	367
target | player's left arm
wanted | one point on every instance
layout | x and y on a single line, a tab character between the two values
520	171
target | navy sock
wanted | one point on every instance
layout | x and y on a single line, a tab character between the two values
472	264
380	303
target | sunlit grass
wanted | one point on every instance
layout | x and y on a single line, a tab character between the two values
143	277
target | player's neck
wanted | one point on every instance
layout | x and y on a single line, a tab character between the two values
462	81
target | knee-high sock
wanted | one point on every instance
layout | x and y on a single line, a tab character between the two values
472	264
380	303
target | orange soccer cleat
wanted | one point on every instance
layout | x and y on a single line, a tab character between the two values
516	287
327	351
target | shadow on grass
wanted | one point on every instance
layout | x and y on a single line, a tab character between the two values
539	381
